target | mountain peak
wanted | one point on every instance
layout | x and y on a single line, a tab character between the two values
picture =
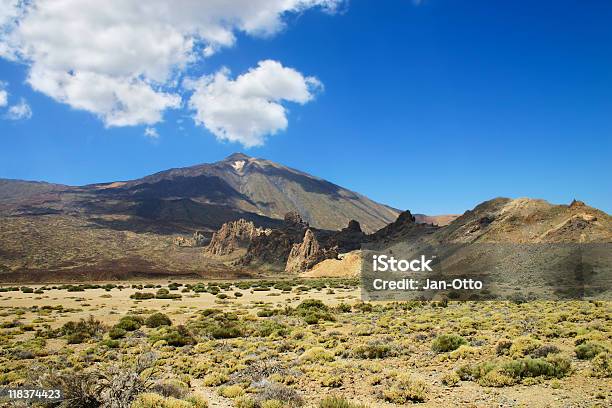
237	156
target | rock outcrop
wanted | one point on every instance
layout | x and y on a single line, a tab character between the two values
404	228
233	236
272	250
197	240
349	238
308	253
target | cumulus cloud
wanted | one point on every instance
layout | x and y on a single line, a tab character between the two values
248	108
151	133
3	95
21	111
120	59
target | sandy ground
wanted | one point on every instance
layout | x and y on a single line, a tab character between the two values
575	391
109	307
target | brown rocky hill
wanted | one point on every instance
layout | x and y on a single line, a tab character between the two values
525	220
523	246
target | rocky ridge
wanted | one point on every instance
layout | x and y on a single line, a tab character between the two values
233	236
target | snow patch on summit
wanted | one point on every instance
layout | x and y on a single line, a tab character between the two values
238	165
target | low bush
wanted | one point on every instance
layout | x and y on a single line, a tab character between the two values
142	295
158	320
215	379
280	395
373	349
406	389
601	365
447	342
116	333
178	337
338	402
316	354
231	391
84	329
130	323
269	328
165	294
509	372
588	350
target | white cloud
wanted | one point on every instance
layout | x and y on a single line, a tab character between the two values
248	108
20	111
120	59
3	95
151	133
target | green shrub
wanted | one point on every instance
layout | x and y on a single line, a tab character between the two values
447	342
523	346
338	402
231	391
504	373
130	323
344	308
406	389
165	294
268	328
310	304
602	365
552	367
77	338
157	320
314	310
178	336
316	354
226	332
116	333
265	313
373	349
588	350
332	381
142	296
110	343
218	325
215	379
78	332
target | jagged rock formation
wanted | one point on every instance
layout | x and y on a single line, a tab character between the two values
233	236
308	253
348	239
272	250
404	227
197	240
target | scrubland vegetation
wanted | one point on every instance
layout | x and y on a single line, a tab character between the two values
309	343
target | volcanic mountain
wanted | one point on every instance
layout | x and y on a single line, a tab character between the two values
129	226
205	196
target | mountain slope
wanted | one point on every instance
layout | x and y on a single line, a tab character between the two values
262	187
204	197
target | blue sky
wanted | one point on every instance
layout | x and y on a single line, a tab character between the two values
432	107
